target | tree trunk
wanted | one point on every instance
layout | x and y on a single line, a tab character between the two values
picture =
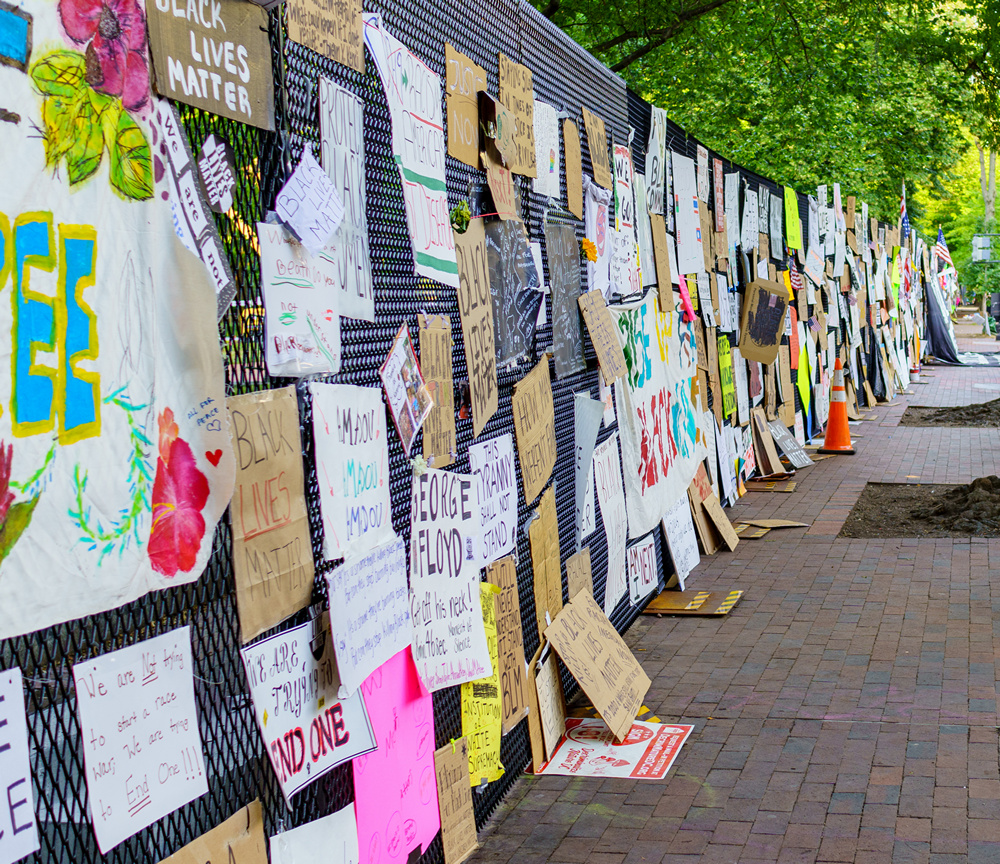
988	182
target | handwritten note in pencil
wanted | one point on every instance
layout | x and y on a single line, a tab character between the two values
141	745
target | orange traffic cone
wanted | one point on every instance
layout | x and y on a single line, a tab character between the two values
838	434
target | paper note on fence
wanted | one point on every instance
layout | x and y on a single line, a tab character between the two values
643	573
330	839
492	466
18	828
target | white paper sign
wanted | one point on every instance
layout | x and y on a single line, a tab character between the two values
369	612
598	228
449	639
309	204
330	840
588	414
18	829
690	258
588	522
492	466
352	466
656	160
742	387
141	743
301	311
644	233
307	729
642	572
342	149
702	173
678	531
611	496
748	233
547	151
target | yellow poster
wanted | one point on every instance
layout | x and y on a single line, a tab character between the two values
482	713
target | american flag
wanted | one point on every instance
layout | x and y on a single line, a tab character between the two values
941	249
902	213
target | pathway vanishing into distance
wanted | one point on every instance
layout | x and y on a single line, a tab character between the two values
845	711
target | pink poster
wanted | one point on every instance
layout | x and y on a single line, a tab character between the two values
395	790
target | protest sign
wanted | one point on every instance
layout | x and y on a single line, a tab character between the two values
352	465
601	662
342	152
588	414
217	169
690	255
602	333
492	466
564	278
394	800
18	828
501	183
369	612
141	742
656	160
517	95
435	360
272	547
458	821
534	423
301	311
598	226
332	29
309	204
410	87
789	446
308	730
449	644
475	308
238	840
578	574
510	642
514	283
482	714
551	701
463	80
679	533
590	750
597	141
574	170
763	322
642	569
547	151
409	399
331	839
611	497
543	534
220	62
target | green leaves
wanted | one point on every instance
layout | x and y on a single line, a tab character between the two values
131	165
18	518
60	74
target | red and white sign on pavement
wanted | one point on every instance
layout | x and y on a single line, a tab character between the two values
588	749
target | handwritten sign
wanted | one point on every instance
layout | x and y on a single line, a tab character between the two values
492	465
475	308
547	151
597	141
309	204
342	152
642	570
514	283
409	399
543	534
413	92
18	828
330	28
332	839
587	416
481	709
449	643
574	169
611	498
727	377
603	334
369	612
307	730
458	821
395	798
272	548
141	745
517	95
501	183
564	277
435	358
578	573
551	701
599	659
763	322
534	423
510	643
678	531
463	80
238	840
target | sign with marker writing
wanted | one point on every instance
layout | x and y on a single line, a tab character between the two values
510	642
449	642
517	96
564	276
238	840
642	571
309	204
434	332
458	821
678	531
142	748
332	839
18	829
330	27
492	465
611	497
463	81
307	729
587	415
534	423
481	703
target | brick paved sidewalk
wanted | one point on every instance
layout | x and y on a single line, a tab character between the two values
845	711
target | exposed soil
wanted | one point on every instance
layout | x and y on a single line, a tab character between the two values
926	510
981	414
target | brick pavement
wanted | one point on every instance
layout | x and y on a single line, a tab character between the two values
845	711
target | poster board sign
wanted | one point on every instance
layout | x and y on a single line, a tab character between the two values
611	497
681	539
763	322
563	252
601	327
240	840
690	255
449	643
574	168
239	87
406	391
656	161
307	729
642	570
141	741
587	416
543	535
510	643
18	825
597	656
517	96
330	29
272	547
534	424
436	364
464	79
481	703
579	576
548	153
590	750
514	284
331	839
492	466
458	821
597	142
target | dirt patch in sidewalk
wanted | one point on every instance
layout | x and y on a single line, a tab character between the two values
926	510
981	414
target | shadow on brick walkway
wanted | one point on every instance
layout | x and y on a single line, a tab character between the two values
845	711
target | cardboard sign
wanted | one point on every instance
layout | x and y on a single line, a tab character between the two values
458	821
481	703
492	466
574	168
449	644
330	29
501	183
406	392
436	364
307	729
463	80
18	827
763	320
578	573
272	547
679	533
516	95
611	497
141	740
721	521
589	750
330	839
369	612
238	840
601	662
219	62
603	334
564	280
510	643
661	254
597	141
475	309
534	424
551	702
543	533
642	570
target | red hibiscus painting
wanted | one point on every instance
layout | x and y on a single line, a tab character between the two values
180	491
